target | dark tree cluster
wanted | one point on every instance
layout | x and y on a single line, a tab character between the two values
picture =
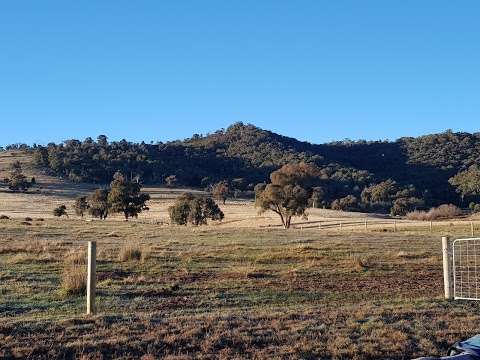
233	160
196	210
17	181
122	196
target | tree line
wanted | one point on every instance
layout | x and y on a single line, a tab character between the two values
379	176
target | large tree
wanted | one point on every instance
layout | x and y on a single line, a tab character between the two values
196	210
467	183
17	181
286	195
126	197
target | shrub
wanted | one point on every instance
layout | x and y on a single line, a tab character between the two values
131	252
28	219
4	217
442	212
74	280
60	211
474	207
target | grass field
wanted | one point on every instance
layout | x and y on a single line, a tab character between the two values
227	294
243	288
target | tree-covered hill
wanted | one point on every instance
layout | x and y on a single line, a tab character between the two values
245	155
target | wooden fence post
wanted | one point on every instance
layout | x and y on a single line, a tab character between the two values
395	226
91	277
366	225
431	226
341	225
447	268
472	226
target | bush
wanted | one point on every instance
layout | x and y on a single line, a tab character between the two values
28	219
4	217
131	252
60	211
441	212
475	208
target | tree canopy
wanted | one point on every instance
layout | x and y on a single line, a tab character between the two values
467	182
284	195
196	210
244	155
125	197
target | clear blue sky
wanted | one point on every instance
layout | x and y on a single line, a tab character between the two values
159	70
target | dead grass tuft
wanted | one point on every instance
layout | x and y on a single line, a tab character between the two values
74	280
132	252
360	263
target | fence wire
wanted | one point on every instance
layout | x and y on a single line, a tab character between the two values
466	272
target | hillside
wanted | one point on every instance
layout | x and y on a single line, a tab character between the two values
246	155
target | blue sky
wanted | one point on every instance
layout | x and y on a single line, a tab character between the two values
315	70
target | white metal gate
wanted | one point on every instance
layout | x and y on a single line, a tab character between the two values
466	269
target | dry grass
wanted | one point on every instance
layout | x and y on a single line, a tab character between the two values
132	252
74	280
76	257
208	293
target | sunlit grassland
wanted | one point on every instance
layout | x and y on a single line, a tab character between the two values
226	293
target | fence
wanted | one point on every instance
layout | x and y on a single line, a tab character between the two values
466	271
461	268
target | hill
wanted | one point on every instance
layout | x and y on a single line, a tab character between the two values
245	155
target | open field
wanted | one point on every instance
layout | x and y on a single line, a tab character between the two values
242	288
51	192
220	293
